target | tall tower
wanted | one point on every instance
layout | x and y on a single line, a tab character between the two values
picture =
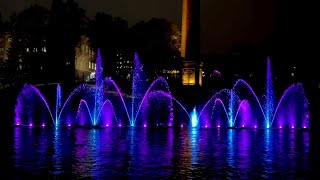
190	39
190	43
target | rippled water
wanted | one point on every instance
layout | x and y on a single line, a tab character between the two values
135	153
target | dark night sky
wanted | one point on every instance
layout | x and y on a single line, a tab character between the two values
226	22
131	10
223	22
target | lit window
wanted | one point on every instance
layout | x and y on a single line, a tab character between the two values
89	65
44	49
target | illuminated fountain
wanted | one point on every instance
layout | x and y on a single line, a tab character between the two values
102	104
240	107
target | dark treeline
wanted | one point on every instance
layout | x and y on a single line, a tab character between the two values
44	40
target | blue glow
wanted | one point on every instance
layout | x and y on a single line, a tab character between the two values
231	108
58	103
269	101
138	85
98	96
194	118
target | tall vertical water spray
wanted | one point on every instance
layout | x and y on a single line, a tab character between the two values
138	87
58	103
98	91
269	96
194	118
231	108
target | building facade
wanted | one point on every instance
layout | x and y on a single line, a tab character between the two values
5	39
85	61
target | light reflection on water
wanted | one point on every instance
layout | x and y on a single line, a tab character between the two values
157	153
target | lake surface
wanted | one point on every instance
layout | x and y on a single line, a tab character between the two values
158	153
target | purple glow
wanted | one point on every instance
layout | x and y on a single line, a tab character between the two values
98	91
82	87
157	97
138	88
290	112
243	82
80	113
25	100
218	100
293	105
108	79
161	82
107	113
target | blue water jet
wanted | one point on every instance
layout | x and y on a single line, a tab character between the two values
269	96
99	90
138	87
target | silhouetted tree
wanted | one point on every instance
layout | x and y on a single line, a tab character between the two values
65	26
109	34
13	66
26	56
157	42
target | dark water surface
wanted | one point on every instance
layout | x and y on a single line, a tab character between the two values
145	153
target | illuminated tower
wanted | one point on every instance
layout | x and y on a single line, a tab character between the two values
190	43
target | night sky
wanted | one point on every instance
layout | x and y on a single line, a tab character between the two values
223	23
131	10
